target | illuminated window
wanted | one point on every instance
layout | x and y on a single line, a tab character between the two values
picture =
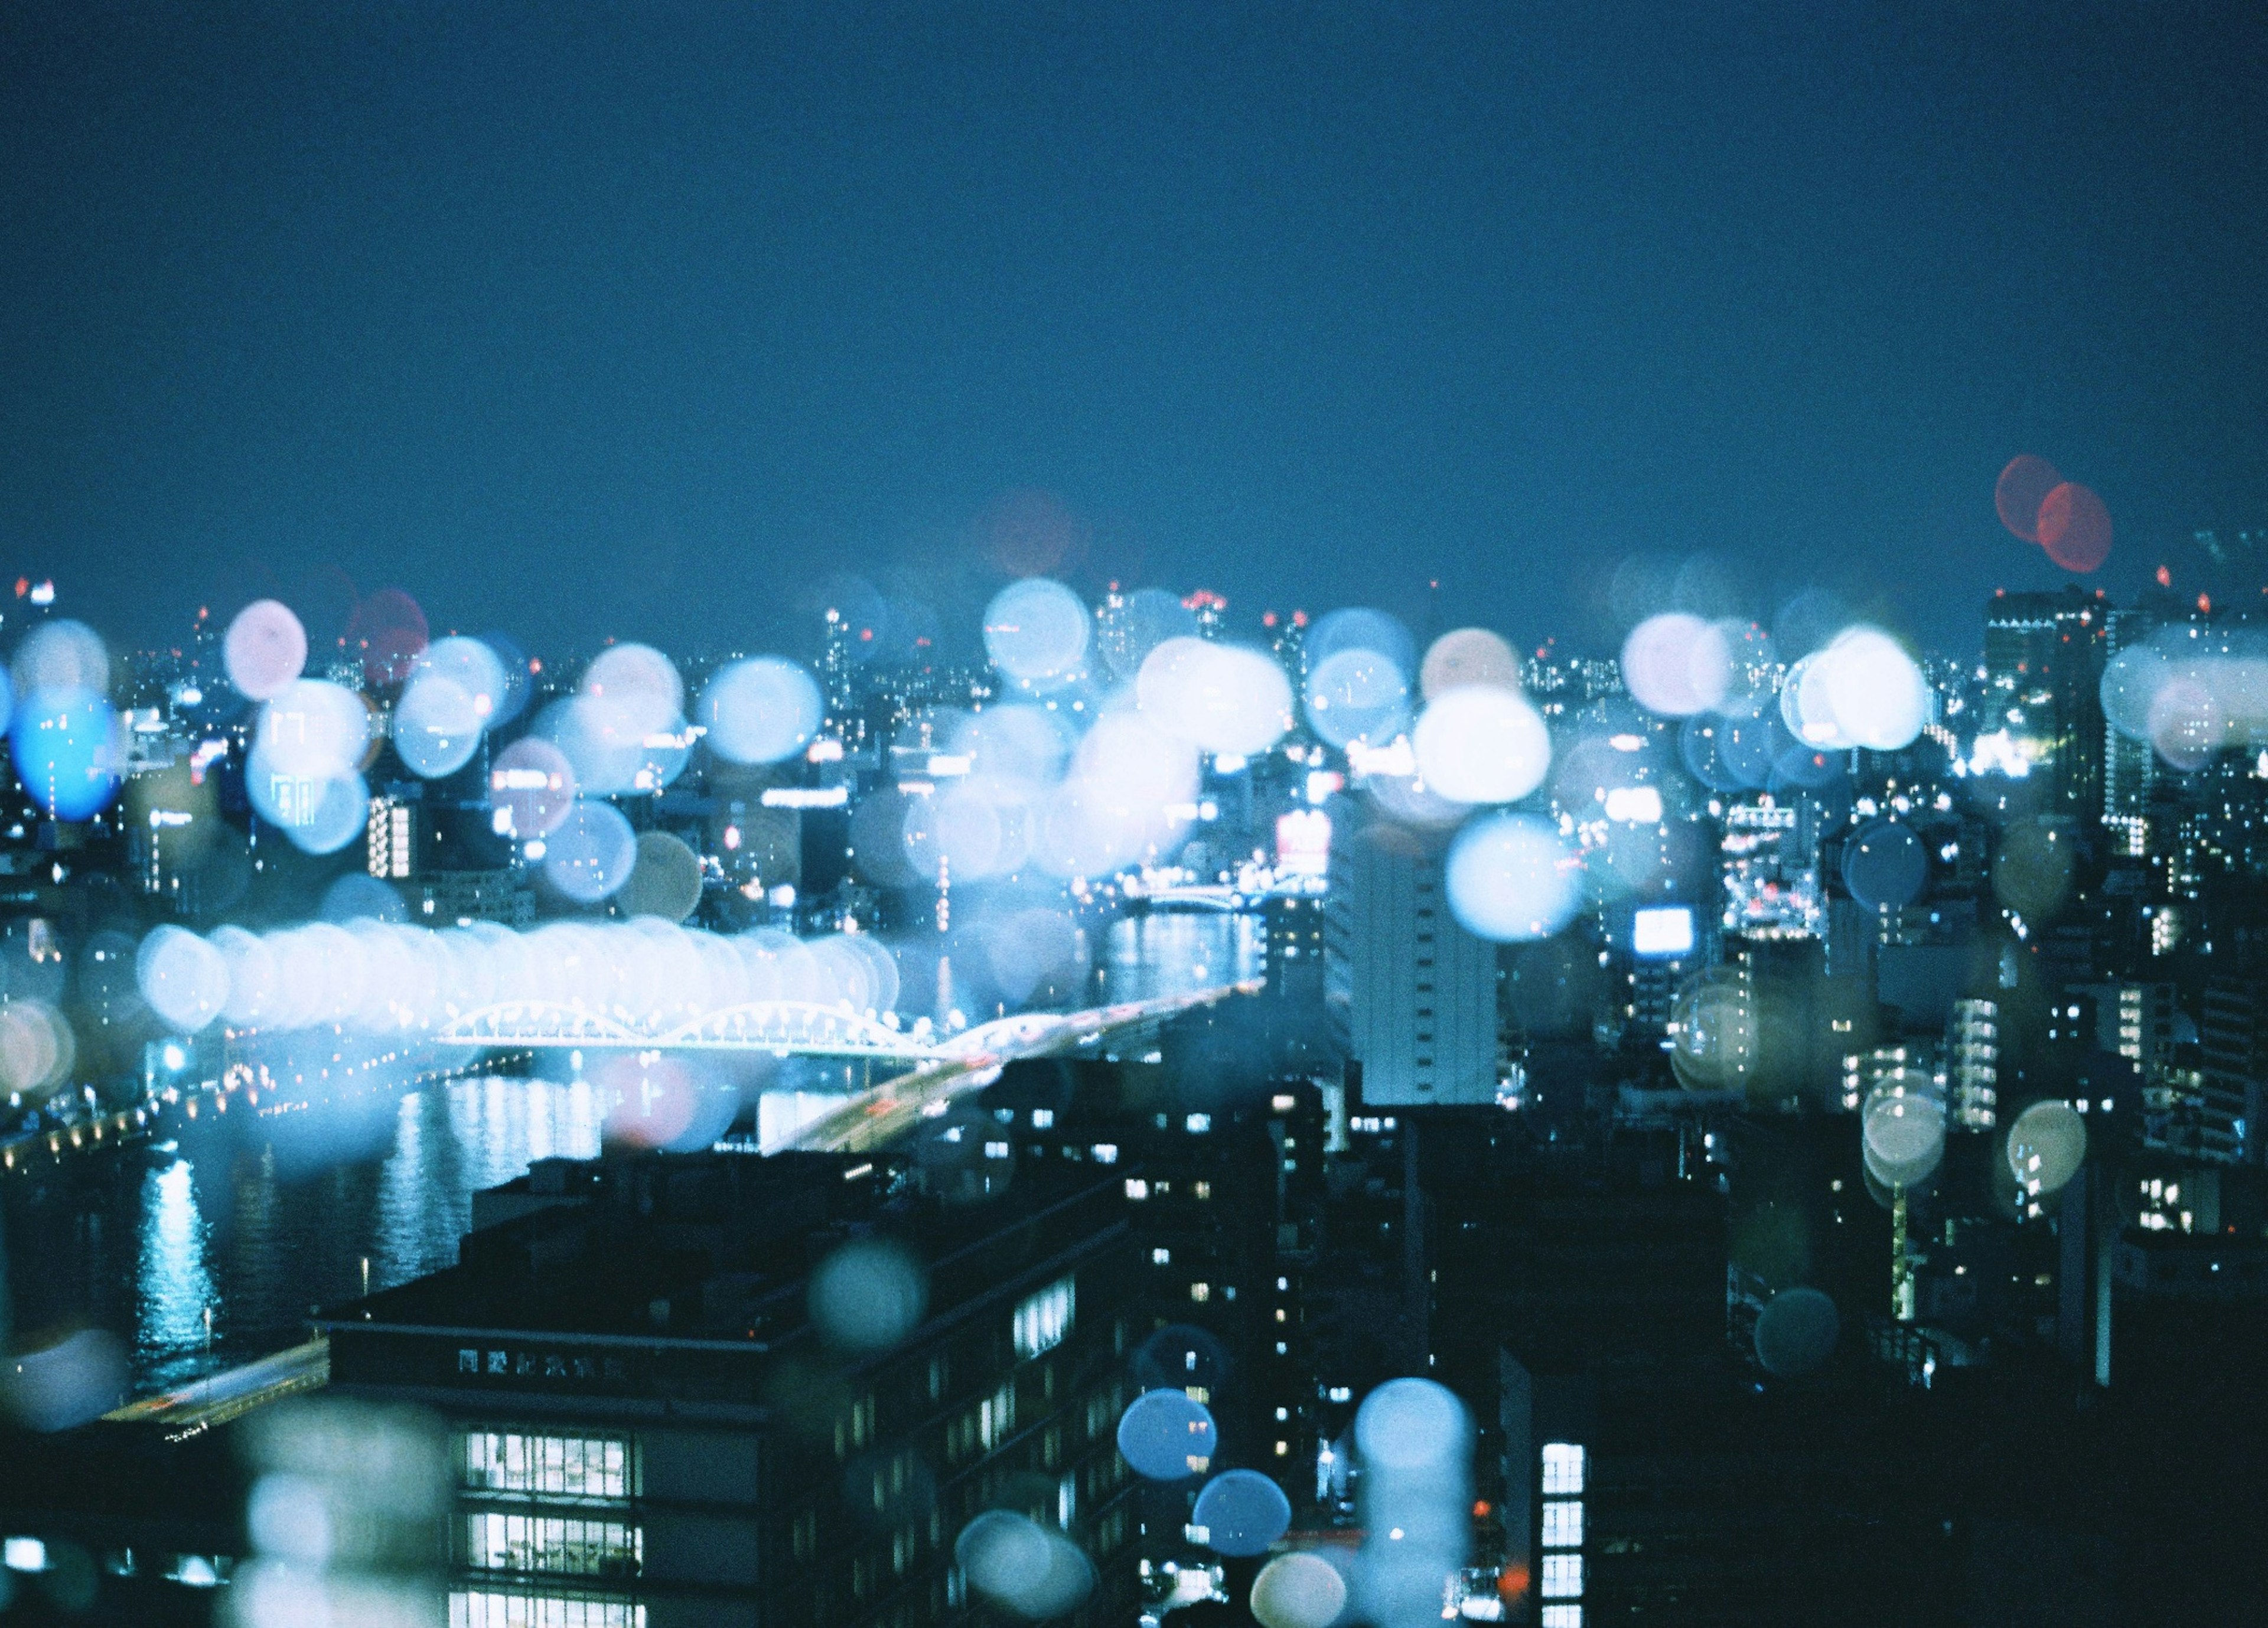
593	1467
481	1610
1563	1525
1042	1118
1199	1123
996	1150
1562	1616
1106	1153
1161	1257
508	1542
1201	1292
1563	1577
1136	1188
1044	1318
1563	1468
1204	1189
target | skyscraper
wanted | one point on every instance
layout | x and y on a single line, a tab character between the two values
2043	656
1412	994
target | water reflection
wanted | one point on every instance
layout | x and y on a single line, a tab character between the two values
1174	953
174	1289
261	1219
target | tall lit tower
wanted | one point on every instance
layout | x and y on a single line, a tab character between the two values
1211	610
836	669
1287	637
2044	657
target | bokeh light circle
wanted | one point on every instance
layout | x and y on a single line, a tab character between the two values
1884	864
1243	1513
1796	1332
2074	528
2018	494
63	655
1357	695
1509	878
1297	1590
184	978
1481	743
591	853
67	753
2047	1144
1167	1435
665	879
868	1295
1223	698
1037	631
313	729
265	650
1673	665
532	783
1468	656
761	710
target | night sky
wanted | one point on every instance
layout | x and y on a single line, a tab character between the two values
580	320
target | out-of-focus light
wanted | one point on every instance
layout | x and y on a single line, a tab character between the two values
591	854
1243	1513
801	796
1640	805
1674	663
1037	631
1796	1332
1223	698
2046	1147
1297	1590
182	976
23	1554
1663	931
62	656
1481	743
1468	656
1357	698
2074	528
1510	878
1322	783
1167	1435
761	710
2022	487
67	753
1303	842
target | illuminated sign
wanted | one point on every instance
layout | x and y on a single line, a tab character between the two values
796	797
1663	931
1303	842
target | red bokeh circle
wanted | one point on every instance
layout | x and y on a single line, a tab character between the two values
2074	528
2022	487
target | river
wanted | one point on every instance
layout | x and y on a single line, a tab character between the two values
209	1246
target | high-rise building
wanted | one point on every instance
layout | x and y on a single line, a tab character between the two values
837	674
654	1419
1412	995
2044	659
1287	637
390	838
1972	1065
2130	767
2233	1035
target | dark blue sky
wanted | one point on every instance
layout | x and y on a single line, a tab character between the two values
638	318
